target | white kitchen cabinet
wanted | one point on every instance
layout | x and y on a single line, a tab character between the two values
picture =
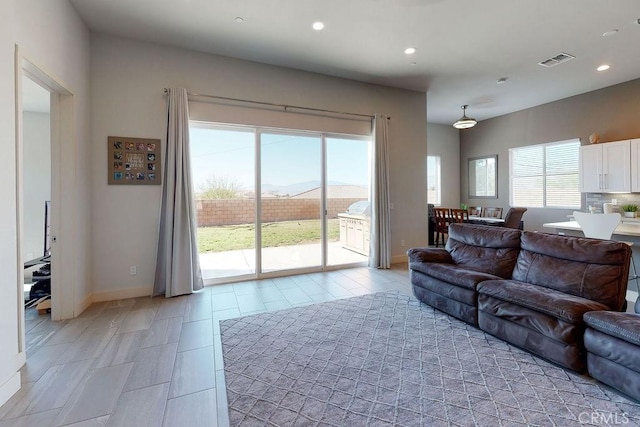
635	165
606	167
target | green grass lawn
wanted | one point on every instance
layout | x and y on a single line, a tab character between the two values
286	233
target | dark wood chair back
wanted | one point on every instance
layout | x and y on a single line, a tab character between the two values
475	211
459	215
442	218
492	212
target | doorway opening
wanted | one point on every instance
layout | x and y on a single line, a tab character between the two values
39	135
36	199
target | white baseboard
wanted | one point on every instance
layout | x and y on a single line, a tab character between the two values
9	388
83	305
142	291
397	259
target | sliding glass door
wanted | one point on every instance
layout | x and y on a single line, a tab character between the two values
223	168
273	200
348	209
291	184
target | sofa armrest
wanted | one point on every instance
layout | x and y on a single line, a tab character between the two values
429	255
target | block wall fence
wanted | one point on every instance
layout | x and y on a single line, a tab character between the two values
242	211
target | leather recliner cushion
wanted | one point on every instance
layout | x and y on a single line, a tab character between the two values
417	255
492	250
589	268
625	326
613	356
566	307
454	274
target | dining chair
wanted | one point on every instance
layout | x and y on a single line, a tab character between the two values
598	226
492	212
475	211
602	226
459	215
441	216
513	217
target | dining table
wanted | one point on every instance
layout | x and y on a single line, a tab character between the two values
486	220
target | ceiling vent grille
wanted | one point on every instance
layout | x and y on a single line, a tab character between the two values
556	60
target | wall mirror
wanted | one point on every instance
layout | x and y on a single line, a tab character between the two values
483	177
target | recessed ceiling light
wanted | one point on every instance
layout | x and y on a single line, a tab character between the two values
603	67
410	50
610	33
318	25
239	19
501	80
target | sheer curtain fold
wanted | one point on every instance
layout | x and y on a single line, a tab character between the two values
177	264
380	234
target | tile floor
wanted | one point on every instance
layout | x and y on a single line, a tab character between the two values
156	361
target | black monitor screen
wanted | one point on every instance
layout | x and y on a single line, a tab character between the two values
47	228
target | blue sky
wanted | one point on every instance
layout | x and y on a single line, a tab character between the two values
286	159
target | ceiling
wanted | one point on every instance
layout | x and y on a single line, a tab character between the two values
463	46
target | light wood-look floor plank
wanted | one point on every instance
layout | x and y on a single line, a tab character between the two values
156	361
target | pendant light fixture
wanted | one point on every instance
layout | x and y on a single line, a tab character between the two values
465	122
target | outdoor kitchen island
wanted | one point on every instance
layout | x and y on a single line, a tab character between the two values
354	227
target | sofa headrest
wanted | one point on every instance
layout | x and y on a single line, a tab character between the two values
579	249
589	268
492	250
485	235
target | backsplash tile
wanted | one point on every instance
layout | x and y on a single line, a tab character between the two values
597	199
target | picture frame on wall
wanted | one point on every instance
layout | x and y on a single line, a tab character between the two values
133	161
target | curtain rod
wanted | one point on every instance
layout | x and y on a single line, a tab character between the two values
283	106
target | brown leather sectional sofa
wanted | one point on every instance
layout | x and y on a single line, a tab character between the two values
530	289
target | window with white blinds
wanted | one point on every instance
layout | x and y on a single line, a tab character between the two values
545	175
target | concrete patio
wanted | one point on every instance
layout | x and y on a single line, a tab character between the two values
218	265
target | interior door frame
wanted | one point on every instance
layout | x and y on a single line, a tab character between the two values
61	118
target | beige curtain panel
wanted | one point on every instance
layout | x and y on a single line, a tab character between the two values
177	264
380	235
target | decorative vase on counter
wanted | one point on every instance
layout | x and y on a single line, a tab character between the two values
629	214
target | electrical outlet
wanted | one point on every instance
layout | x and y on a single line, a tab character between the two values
391	206
133	270
402	243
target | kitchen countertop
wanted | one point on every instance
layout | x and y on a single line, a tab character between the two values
626	228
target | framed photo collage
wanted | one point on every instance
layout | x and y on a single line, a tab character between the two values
134	161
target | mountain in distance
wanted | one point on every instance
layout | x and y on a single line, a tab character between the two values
297	188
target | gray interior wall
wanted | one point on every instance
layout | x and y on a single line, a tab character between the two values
444	141
128	101
612	112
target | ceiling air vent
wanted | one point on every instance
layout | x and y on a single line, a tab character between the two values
556	60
